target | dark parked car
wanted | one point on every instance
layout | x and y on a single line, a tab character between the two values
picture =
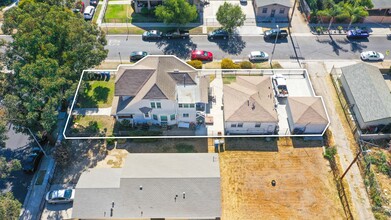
273	33
94	2
357	34
176	34
31	162
137	55
219	33
152	35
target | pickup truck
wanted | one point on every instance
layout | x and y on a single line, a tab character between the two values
176	34
279	84
273	33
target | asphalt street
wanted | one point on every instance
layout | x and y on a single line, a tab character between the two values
323	47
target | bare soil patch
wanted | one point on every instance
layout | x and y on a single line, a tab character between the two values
304	188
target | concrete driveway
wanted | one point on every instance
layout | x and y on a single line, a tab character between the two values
250	26
58	211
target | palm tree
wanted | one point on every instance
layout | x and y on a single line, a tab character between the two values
332	10
355	11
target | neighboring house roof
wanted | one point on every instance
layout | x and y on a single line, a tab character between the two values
152	186
158	77
381	4
307	110
249	99
263	3
369	90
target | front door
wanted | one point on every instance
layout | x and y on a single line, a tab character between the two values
273	12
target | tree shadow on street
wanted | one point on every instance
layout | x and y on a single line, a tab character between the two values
335	44
234	45
356	45
178	47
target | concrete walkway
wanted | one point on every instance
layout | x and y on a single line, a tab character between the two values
361	205
216	109
92	111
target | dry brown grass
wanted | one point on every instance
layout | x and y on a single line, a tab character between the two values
305	187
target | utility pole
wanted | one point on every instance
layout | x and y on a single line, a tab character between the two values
354	161
274	46
293	11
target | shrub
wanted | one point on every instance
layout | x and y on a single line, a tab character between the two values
62	154
330	152
246	65
195	63
227	63
144	11
110	142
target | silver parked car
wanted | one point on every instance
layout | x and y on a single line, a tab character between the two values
256	56
372	56
60	196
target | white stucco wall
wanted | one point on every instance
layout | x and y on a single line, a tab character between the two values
249	128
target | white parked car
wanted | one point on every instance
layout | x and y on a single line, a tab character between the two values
258	56
60	196
89	12
372	56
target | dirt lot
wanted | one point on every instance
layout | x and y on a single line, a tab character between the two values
304	185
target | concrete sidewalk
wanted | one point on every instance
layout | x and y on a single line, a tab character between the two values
92	111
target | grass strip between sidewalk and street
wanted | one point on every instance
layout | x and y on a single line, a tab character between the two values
97	12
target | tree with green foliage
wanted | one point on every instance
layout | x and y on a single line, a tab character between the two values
6	167
230	16
332	10
176	12
51	46
3	136
355	12
9	207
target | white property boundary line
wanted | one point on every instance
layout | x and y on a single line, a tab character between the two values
203	136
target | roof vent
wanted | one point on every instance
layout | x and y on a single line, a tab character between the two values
253	106
184	195
141	187
176	71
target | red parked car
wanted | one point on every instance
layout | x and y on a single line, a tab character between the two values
201	55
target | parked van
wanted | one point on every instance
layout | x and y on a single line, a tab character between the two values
258	56
89	12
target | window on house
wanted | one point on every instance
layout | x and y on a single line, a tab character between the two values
186	105
257	125
163	118
185	115
172	117
233	125
264	10
158	105
153	105
146	115
240	125
154	117
282	10
191	105
180	105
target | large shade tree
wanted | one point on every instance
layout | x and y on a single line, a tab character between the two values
230	16
176	11
50	48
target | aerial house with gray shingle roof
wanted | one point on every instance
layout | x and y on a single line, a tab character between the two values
159	90
249	106
368	94
152	186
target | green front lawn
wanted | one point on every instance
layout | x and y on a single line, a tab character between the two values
118	13
93	124
97	94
